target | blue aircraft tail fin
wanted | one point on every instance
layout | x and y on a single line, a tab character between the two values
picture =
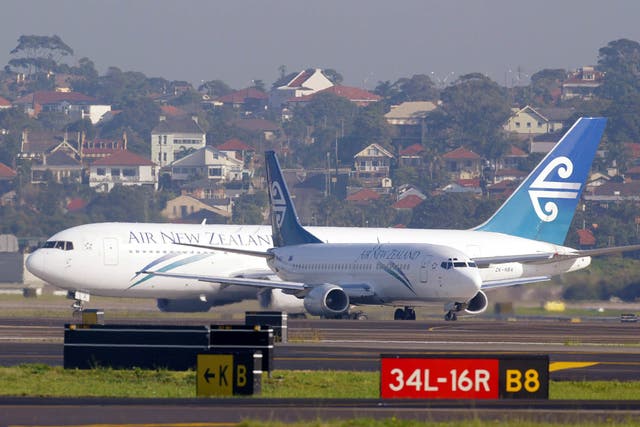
285	227
542	207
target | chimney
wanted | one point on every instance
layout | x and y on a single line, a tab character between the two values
124	139
25	139
194	118
163	118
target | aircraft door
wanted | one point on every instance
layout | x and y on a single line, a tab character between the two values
110	247
424	269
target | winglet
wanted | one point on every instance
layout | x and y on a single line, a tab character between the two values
285	227
542	207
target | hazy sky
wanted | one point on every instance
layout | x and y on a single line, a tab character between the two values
367	41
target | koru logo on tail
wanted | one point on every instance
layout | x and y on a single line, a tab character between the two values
543	189
278	204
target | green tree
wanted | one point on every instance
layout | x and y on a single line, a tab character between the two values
620	60
215	88
335	77
249	208
39	53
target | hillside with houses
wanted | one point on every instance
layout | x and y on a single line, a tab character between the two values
77	146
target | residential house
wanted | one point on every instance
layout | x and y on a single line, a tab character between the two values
614	192
586	239
208	163
360	97
248	100
408	203
188	208
236	149
203	189
64	168
471	185
304	83
372	166
462	163
411	156
406	190
7	173
174	138
76	105
4	103
7	177
123	168
545	142
582	83
34	145
513	158
409	121
530	121
99	148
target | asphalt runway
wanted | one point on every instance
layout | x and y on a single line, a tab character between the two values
588	350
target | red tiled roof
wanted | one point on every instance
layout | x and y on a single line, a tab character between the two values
586	237
234	145
461	153
409	202
76	205
4	102
353	94
241	96
301	78
469	183
170	110
51	97
412	150
515	151
123	158
6	172
363	195
633	148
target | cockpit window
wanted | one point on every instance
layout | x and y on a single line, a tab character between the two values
447	265
58	244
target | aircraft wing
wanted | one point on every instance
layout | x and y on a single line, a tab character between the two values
544	257
240	281
492	284
260	254
523	258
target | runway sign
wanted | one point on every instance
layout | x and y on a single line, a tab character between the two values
464	377
228	374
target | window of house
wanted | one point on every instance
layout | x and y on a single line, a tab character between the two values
215	171
101	171
517	124
115	171
528	124
164	156
128	172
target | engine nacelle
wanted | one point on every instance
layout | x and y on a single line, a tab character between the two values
326	300
477	304
276	299
183	305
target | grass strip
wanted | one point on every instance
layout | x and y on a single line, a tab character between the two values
48	381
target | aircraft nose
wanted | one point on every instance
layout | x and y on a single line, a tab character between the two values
474	280
35	263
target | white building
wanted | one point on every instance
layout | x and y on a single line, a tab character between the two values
304	83
122	168
208	163
174	138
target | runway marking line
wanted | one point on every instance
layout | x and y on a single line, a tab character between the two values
560	366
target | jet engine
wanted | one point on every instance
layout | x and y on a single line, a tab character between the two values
194	305
477	304
275	299
326	300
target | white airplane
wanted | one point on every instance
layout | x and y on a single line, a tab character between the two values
329	277
521	243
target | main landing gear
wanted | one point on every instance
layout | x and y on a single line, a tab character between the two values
407	313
